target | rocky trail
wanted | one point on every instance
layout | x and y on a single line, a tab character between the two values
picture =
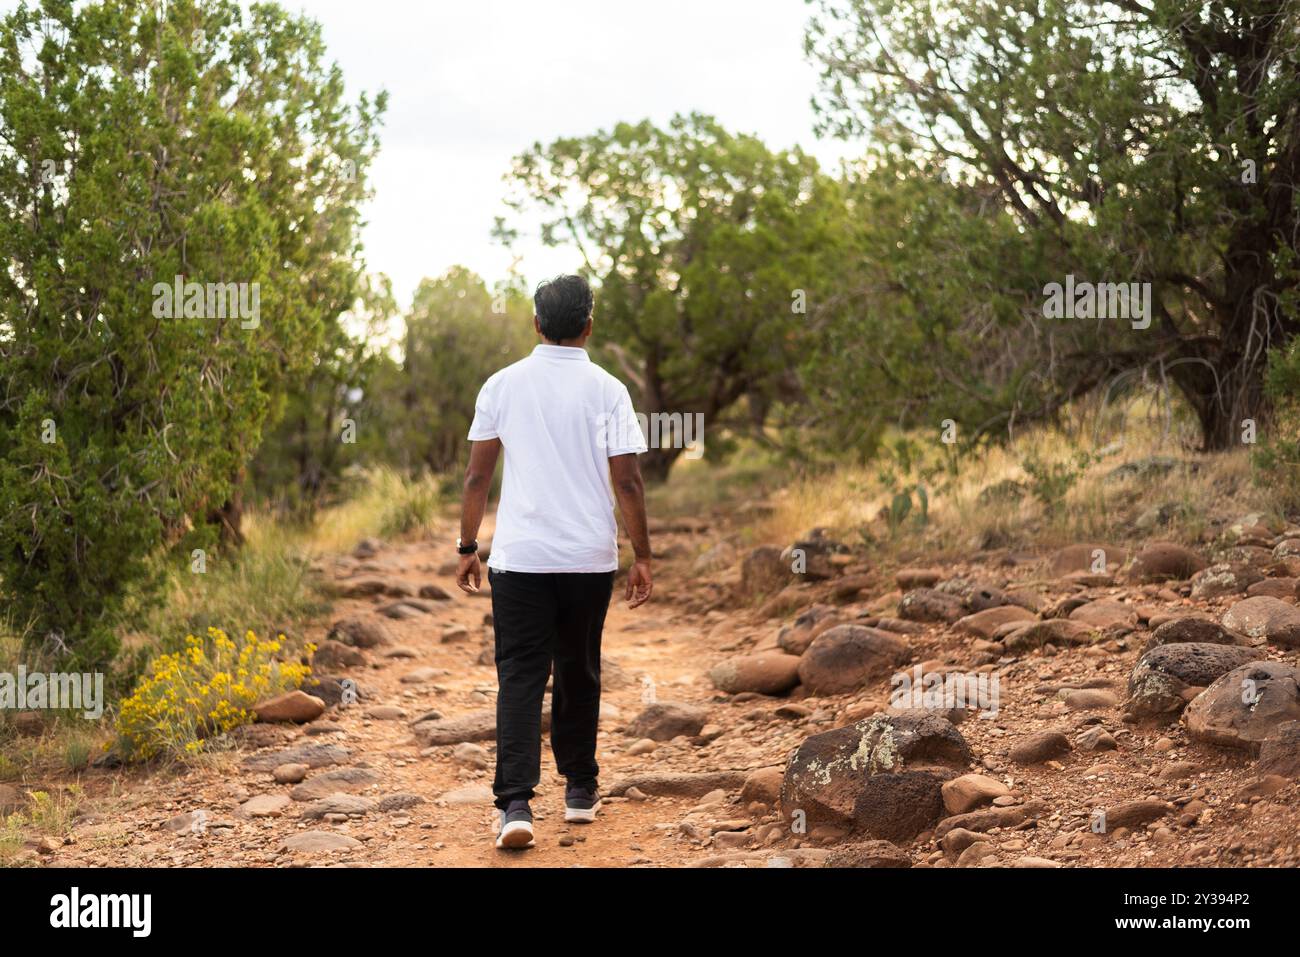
1125	708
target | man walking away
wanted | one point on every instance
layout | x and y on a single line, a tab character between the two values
569	433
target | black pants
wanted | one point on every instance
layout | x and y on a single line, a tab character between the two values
540	620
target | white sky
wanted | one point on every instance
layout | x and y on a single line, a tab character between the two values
473	82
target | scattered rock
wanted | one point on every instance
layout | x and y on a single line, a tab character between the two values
1165	561
909	578
1279	752
265	805
1093	558
346	804
848	656
1240	708
1091	699
1039	747
362	632
312	755
929	604
295	707
1271	619
1191	630
1130	814
1104	613
1283	588
985	623
474	726
881	776
868	854
1053	631
1162	677
970	791
665	720
400	801
320	842
1223	578
334	782
290	773
763	786
677	783
768	673
332	654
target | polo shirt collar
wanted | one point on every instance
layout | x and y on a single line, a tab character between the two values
561	352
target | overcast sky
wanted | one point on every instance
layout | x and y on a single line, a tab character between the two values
473	82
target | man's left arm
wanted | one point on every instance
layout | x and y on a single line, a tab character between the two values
478	481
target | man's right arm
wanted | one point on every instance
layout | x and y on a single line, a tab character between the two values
629	489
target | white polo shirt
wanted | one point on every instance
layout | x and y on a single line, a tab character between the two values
559	417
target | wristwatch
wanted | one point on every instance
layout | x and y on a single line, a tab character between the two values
462	549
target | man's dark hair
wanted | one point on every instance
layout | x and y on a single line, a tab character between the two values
563	307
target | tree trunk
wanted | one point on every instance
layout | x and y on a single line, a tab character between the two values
229	518
656	464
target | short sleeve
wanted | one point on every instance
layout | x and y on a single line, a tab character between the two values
624	435
484	425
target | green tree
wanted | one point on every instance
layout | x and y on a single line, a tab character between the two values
458	332
322	433
143	143
706	246
1147	141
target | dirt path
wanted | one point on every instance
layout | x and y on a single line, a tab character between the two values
435	661
395	798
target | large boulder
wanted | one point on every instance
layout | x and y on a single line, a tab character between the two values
881	776
1163	561
848	656
1271	619
764	673
1242	707
1162	680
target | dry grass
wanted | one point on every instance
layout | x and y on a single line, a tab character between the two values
387	504
1062	498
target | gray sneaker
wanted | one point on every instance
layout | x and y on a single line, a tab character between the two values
580	805
515	826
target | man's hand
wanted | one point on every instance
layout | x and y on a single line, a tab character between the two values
468	574
639	583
